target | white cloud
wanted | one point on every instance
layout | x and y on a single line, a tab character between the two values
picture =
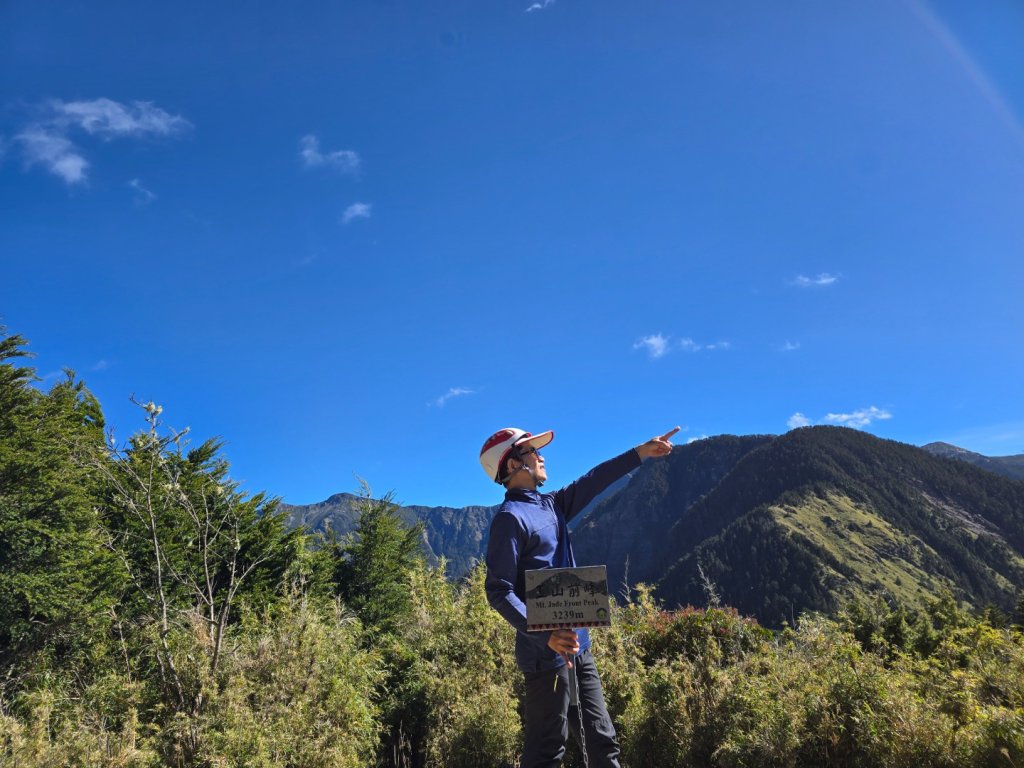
109	119
55	152
453	392
859	418
798	420
790	346
99	365
356	211
656	345
695	439
808	282
540	6
341	160
46	141
143	196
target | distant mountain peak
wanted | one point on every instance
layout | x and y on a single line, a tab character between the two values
1007	466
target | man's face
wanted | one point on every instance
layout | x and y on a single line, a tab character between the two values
531	458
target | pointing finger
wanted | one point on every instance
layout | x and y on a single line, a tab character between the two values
668	435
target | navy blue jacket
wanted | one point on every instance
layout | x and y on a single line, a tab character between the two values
529	532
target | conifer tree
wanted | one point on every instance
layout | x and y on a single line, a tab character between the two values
56	579
374	564
193	545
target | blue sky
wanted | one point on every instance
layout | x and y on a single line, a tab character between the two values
357	238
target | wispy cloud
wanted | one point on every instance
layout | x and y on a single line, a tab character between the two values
810	282
452	392
689	345
658	345
143	196
46	140
540	5
341	160
357	211
99	365
111	119
790	346
857	419
655	344
55	152
695	439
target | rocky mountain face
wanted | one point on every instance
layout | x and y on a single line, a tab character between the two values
776	525
1008	466
457	534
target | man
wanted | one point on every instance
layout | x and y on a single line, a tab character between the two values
529	531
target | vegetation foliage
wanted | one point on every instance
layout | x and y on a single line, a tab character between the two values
153	614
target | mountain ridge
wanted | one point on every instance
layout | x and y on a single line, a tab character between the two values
759	536
1008	466
778	524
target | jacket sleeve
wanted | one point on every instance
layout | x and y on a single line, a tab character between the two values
507	539
575	496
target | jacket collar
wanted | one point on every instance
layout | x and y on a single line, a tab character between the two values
522	494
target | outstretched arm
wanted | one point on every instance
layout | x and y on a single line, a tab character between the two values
575	496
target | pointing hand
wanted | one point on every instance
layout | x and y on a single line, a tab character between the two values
657	446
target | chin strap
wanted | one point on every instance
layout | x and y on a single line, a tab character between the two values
523	468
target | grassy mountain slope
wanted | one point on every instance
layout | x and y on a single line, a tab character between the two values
800	520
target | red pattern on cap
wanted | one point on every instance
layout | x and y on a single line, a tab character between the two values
498	437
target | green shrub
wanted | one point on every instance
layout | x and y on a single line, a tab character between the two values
467	670
56	729
298	691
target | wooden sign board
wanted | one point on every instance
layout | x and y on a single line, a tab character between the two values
565	598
